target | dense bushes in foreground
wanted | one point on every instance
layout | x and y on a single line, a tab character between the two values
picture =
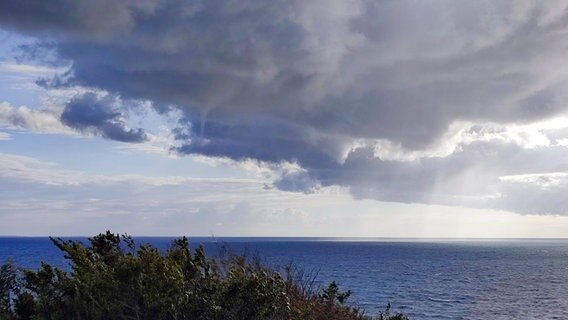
113	279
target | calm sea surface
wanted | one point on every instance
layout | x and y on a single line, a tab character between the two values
501	279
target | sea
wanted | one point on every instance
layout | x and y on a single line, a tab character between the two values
423	278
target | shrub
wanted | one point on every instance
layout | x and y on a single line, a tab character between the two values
112	279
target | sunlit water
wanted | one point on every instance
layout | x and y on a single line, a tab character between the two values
517	279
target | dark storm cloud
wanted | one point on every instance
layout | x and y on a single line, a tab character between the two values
319	82
263	139
89	18
98	115
349	68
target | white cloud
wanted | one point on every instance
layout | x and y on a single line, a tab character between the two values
33	120
21	76
545	181
22	168
28	69
213	211
262	170
460	134
5	136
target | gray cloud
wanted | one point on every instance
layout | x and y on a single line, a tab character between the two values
483	174
98	115
296	181
320	82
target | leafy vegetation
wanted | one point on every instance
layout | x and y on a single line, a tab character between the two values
112	278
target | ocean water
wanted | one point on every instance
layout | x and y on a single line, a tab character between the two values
427	279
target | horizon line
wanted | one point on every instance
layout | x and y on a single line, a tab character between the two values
328	238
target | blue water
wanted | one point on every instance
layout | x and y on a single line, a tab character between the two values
501	279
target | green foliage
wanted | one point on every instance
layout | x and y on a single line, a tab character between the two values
113	279
386	315
8	285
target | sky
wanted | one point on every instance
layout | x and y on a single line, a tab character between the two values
358	118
